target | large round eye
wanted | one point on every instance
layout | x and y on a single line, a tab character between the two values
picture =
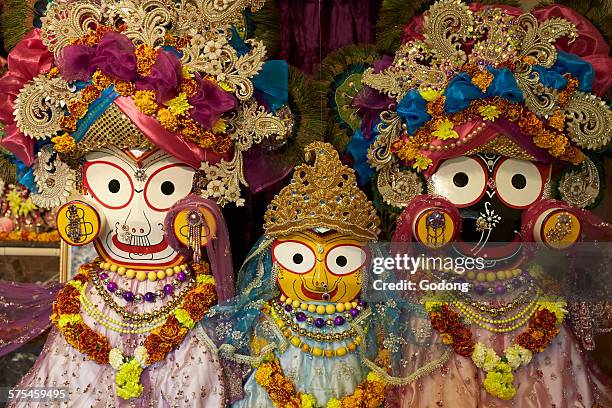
518	182
345	259
461	180
294	256
167	185
109	184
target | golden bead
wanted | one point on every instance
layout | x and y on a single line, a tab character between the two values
341	351
288	301
304	306
330	309
491	276
329	353
352	347
295	304
121	270
317	352
312	308
183	267
501	275
481	277
113	268
509	274
169	271
347	305
131	274
176	269
321	309
296	341
340	307
471	274
161	274
152	276
283	298
305	348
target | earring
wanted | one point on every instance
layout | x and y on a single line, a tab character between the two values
194	233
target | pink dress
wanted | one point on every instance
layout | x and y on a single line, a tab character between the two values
190	376
562	376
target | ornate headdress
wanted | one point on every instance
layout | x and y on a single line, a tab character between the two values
323	194
142	73
483	78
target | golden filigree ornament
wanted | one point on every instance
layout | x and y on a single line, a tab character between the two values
323	193
54	179
580	187
40	106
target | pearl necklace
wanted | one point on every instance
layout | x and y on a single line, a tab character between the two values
319	309
152	276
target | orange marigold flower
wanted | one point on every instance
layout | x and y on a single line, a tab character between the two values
528	59
190	129
167	119
189	86
545	139
482	80
470	69
557	120
77	108
223	144
53	72
100	80
559	146
125	88
90	94
145	102
145	58
64	143
68	123
573	155
436	108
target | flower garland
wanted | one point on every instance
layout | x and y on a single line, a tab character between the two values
441	126
172	114
541	330
160	341
269	375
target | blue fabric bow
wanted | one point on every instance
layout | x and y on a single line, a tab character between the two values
412	109
358	148
272	83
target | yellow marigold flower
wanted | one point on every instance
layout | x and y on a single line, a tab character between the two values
145	102
308	401
184	318
167	119
421	162
64	143
187	72
208	279
445	130
407	152
53	72
373	377
179	105
226	86
333	403
482	80
67	319
100	80
446	338
125	88
145	59
220	126
429	94
489	112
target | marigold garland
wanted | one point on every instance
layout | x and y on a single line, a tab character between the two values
269	375
546	135
541	330
161	341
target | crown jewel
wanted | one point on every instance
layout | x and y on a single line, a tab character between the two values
322	194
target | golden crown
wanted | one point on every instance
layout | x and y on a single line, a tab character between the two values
322	194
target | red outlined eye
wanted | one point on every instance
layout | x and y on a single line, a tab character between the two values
167	185
461	180
109	184
294	256
345	259
519	183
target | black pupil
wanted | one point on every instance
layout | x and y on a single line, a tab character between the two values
519	181
341	260
460	179
114	186
298	259
167	187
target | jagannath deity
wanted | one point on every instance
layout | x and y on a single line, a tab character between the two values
133	119
486	128
299	323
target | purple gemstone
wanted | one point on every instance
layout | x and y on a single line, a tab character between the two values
480	289
362	303
517	282
168	289
339	321
435	219
300	316
288	308
354	312
319	322
526	274
181	276
129	296
112	286
149	297
500	289
103	275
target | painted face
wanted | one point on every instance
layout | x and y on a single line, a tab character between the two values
319	266
134	191
491	192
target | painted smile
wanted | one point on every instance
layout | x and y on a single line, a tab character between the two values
318	295
137	249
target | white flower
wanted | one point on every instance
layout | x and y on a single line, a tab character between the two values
215	188
211	172
220	5
115	358
213	49
141	355
214	68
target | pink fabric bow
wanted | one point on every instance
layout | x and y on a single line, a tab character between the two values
29	58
